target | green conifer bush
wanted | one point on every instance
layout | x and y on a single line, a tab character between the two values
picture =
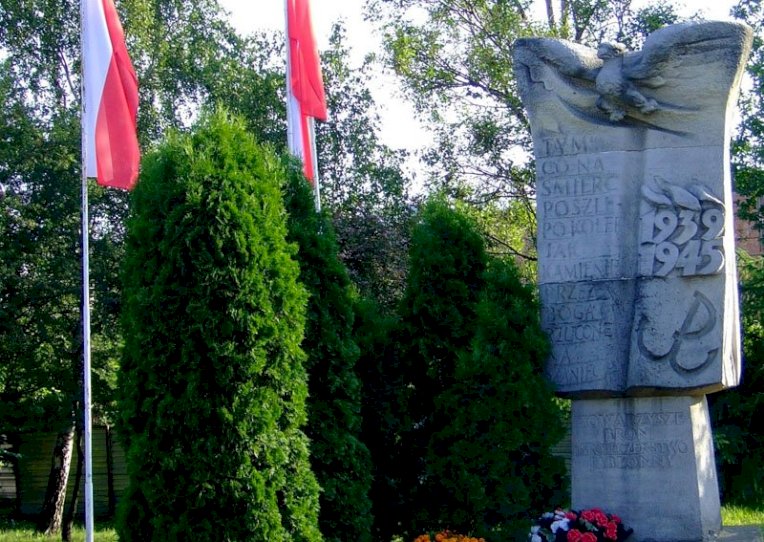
340	461
213	384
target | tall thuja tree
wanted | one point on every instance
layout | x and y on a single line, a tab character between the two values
185	55
377	333
213	386
340	461
495	469
447	262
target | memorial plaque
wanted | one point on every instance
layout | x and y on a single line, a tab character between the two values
635	238
643	455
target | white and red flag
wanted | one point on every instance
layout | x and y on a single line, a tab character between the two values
305	86
111	98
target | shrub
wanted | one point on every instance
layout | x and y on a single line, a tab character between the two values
339	459
212	386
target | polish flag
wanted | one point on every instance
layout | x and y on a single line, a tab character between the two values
111	99
305	86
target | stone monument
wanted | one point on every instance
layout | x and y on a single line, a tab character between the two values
637	269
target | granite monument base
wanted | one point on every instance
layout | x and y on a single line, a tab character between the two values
649	460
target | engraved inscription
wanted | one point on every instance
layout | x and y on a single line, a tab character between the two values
566	145
622	441
580	317
577	202
681	233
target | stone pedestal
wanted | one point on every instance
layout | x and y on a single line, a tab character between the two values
651	461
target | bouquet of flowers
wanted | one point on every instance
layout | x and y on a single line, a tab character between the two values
447	536
591	525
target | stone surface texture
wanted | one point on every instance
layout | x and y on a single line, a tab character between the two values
637	262
636	239
651	460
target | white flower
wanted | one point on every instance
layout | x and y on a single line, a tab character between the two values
547	515
535	529
536	538
563	524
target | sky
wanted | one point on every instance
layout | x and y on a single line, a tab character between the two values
399	129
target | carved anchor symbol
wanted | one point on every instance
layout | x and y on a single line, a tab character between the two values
689	331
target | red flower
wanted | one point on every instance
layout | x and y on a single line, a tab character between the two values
571	516
611	531
595	515
615	518
574	535
589	537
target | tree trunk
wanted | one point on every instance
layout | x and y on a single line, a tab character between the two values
565	18
66	530
51	514
550	14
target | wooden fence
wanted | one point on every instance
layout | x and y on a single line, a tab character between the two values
36	449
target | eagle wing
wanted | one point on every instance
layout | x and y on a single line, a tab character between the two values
549	59
676	52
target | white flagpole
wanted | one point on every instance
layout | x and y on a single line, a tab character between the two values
316	184
86	299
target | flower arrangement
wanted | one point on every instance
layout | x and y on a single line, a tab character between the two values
447	536
591	525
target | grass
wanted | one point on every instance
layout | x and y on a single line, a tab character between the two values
23	531
735	515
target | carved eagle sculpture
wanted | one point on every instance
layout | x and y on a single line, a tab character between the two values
613	83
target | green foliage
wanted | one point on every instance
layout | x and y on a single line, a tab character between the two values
494	468
378	334
213	387
464	361
362	181
748	145
438	318
41	273
339	459
738	437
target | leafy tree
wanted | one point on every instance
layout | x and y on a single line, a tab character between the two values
739	444
447	262
454	60
339	459
363	184
748	146
41	283
213	386
739	441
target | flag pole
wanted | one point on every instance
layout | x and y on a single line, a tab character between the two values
316	183
86	384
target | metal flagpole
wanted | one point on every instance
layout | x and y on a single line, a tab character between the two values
316	185
86	298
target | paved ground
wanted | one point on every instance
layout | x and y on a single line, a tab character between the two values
749	533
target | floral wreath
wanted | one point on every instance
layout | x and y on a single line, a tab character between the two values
591	525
